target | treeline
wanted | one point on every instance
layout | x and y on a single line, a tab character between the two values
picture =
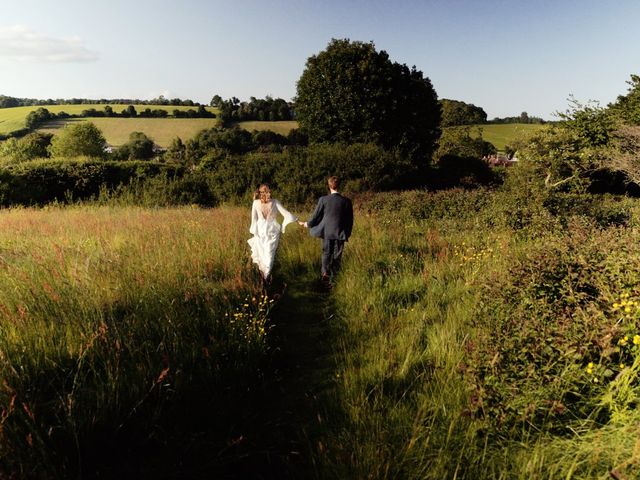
457	113
8	102
42	115
85	139
260	109
522	118
298	174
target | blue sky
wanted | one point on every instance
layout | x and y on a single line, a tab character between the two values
504	56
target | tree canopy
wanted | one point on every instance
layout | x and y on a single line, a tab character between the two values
350	92
455	112
78	139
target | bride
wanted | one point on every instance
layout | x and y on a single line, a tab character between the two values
265	229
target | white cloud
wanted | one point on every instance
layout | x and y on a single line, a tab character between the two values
168	94
23	44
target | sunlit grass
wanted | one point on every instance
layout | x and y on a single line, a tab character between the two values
162	130
14	118
112	317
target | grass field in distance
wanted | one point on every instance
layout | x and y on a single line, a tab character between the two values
283	127
501	135
12	119
161	130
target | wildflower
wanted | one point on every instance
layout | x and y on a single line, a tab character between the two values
627	309
621	366
636	339
616	306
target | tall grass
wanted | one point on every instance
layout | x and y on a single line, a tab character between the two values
466	344
121	331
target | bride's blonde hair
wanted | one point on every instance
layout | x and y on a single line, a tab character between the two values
257	195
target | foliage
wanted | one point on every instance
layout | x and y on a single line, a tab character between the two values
7	102
300	175
139	147
40	182
31	146
546	323
459	142
590	123
78	139
626	108
562	156
350	92
267	109
524	118
455	112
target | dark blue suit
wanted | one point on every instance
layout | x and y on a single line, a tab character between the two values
332	221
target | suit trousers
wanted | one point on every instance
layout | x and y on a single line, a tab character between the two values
331	256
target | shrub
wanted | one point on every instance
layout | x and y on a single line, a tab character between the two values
31	146
42	181
139	147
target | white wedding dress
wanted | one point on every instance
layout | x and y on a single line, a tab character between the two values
266	232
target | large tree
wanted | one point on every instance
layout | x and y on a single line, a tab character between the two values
351	92
78	139
455	112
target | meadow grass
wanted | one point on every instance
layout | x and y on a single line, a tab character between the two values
502	135
162	130
283	127
456	343
14	118
123	329
415	302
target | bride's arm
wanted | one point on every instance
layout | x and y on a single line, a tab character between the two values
254	218
288	217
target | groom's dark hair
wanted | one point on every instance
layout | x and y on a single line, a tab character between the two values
334	183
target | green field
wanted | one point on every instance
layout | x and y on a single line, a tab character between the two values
505	134
282	127
455	343
12	119
161	130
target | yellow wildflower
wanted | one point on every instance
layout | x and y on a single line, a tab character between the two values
636	339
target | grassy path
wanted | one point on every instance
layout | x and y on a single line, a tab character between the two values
280	429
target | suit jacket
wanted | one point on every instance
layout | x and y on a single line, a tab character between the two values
332	219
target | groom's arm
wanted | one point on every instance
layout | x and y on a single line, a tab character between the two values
316	218
349	222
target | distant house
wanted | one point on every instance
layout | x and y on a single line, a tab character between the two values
499	160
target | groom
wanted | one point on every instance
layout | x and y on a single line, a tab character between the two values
332	221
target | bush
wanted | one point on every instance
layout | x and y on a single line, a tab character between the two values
42	181
163	191
31	146
139	147
550	332
300	174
